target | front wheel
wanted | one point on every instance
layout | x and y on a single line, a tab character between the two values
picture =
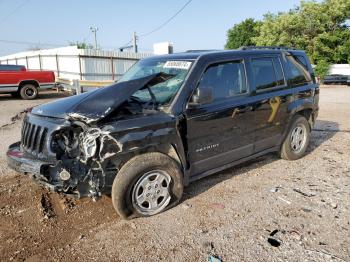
297	139
147	185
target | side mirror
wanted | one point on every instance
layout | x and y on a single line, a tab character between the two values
203	95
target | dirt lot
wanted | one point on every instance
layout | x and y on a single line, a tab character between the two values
267	209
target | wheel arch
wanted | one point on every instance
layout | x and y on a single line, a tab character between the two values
168	149
303	107
28	81
308	114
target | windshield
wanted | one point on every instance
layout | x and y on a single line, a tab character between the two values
165	91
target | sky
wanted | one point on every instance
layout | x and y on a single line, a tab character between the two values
203	24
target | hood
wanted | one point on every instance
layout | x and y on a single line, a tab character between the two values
97	104
60	107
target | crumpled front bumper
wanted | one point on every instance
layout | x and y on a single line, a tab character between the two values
19	161
28	165
25	164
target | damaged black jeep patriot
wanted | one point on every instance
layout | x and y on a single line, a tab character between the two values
168	121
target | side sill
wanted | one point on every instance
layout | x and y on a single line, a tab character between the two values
234	163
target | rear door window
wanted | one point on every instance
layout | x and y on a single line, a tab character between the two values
267	72
279	72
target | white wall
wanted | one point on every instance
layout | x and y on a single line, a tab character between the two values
67	50
73	63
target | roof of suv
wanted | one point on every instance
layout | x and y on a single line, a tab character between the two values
194	54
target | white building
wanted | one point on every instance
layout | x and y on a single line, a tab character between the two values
73	63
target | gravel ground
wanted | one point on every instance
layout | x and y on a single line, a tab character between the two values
266	210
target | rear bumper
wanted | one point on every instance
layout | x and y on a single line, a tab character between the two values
45	86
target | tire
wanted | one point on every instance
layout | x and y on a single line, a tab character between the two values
297	139
141	182
29	92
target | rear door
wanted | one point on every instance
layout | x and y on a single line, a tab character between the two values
223	130
271	100
279	80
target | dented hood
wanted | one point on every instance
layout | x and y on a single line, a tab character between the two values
97	104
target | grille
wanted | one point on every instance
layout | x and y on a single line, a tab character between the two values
33	137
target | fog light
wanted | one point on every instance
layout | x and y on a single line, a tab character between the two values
64	175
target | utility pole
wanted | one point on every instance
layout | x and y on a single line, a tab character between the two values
94	30
134	42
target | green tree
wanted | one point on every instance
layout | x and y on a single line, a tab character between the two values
333	46
322	68
242	34
296	28
317	27
81	45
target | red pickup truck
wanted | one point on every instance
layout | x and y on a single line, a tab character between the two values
17	81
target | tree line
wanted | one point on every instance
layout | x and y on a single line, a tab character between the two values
322	29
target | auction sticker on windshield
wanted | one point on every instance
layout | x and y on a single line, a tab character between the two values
178	64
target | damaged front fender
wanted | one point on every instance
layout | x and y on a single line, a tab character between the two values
98	145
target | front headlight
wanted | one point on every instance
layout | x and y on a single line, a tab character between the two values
89	143
89	146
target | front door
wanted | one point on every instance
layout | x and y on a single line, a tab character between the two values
222	131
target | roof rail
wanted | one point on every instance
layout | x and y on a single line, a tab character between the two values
266	47
199	50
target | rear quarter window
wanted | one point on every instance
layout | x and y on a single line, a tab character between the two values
299	74
301	60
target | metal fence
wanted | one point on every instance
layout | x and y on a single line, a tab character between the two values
85	64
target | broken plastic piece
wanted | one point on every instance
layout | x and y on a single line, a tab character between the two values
214	258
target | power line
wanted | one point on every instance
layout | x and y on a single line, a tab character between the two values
14	11
27	43
87	37
57	45
167	21
128	43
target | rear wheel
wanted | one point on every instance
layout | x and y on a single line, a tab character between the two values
29	91
297	139
147	185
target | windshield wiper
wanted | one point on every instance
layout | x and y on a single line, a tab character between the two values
159	78
156	79
153	98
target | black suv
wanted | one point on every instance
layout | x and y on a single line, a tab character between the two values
170	120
